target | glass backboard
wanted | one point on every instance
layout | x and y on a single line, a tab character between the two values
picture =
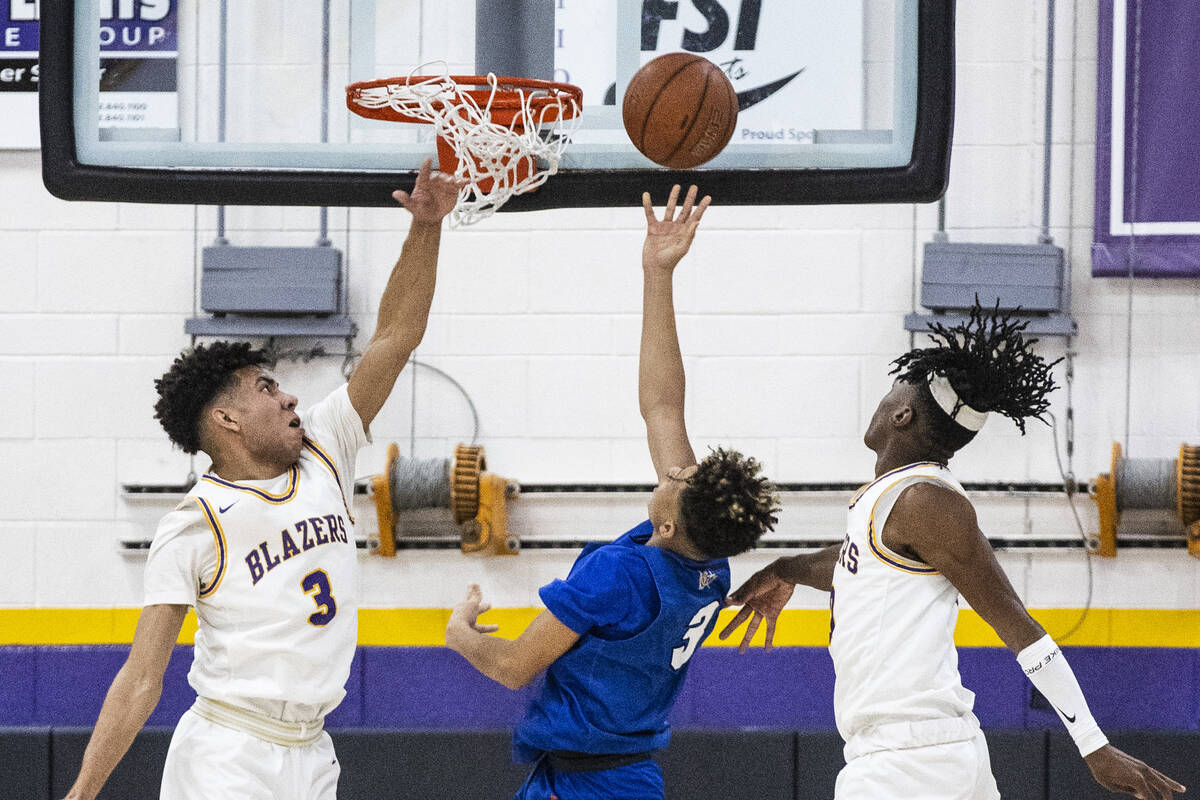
200	101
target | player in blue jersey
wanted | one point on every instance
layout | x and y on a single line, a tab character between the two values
617	635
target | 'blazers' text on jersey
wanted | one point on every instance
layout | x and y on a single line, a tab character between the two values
270	567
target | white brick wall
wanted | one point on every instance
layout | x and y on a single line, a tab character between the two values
788	317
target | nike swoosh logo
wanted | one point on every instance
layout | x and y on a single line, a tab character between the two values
1066	716
751	97
226	508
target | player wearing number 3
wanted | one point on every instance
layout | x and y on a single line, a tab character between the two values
617	635
263	548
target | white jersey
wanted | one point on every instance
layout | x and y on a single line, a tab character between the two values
271	569
893	618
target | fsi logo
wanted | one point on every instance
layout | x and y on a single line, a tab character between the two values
720	27
717	17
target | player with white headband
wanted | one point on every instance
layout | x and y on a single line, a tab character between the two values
912	546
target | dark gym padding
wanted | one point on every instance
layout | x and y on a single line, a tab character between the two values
1018	762
1173	753
729	764
137	776
25	763
41	764
435	764
819	759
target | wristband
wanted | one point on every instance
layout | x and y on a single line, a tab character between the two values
1048	670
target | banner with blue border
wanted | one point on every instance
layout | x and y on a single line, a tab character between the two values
139	44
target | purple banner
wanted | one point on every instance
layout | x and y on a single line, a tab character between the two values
18	36
1147	220
139	42
146	25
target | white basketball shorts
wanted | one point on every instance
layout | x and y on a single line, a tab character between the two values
955	771
207	761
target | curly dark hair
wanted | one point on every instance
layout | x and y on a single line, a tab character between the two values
196	377
989	364
726	506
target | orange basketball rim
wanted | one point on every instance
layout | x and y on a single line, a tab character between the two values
505	102
482	123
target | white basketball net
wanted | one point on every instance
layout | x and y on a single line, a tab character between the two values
486	150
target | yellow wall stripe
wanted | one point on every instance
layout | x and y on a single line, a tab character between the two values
77	626
414	627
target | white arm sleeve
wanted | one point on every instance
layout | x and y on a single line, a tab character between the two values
1048	670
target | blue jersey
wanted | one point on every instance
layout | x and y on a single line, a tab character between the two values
641	612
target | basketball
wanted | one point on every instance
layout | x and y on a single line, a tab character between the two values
680	110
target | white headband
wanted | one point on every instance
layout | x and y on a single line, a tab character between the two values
949	401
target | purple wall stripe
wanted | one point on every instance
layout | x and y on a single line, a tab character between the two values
788	688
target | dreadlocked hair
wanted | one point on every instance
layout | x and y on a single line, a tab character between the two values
196	377
989	365
726	506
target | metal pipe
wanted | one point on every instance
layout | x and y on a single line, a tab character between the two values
1046	238
222	67
323	237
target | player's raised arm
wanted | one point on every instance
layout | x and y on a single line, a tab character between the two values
404	307
133	695
660	364
938	526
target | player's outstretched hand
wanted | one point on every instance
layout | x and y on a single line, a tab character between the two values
668	239
762	597
1118	771
466	614
433	196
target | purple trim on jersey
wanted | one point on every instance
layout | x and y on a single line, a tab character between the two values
885	558
316	450
859	494
219	535
293	482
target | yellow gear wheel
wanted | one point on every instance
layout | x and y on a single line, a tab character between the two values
1187	480
469	464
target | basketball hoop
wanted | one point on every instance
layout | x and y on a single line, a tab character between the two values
495	130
